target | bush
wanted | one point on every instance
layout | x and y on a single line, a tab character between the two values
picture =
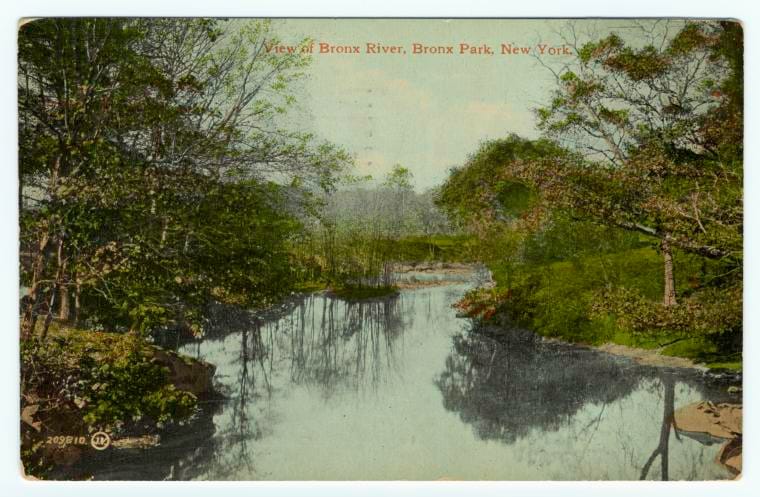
106	377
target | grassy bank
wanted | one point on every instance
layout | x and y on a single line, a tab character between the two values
436	248
405	250
556	299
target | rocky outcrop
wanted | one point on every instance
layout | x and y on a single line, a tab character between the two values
730	455
185	373
723	421
719	420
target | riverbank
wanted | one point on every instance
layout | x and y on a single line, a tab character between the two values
565	300
427	273
77	383
660	356
653	353
656	358
405	276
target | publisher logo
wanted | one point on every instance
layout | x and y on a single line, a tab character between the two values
100	440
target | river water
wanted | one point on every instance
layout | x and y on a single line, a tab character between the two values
401	388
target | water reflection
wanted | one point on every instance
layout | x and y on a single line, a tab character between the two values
668	385
402	389
342	344
324	345
511	386
508	386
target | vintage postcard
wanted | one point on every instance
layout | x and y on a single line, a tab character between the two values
380	249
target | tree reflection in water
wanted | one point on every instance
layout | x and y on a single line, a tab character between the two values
340	344
317	341
508	386
667	423
320	386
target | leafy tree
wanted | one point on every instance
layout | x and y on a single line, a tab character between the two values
130	131
638	149
643	118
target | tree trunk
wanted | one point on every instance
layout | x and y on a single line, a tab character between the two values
670	283
29	316
77	305
64	306
57	288
49	316
28	319
164	228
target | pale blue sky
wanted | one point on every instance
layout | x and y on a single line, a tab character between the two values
426	112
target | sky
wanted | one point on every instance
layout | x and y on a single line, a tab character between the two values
427	112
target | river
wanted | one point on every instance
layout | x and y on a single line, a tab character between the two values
400	388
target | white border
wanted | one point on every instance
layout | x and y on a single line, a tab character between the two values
13	484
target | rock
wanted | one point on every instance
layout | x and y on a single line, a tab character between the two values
186	373
721	420
27	416
717	420
730	455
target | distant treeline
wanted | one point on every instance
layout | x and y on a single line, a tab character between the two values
364	229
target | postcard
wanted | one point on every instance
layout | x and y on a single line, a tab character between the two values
380	249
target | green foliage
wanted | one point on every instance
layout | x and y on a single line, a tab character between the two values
153	170
108	379
576	281
477	195
711	312
562	238
699	349
126	390
400	178
434	248
647	191
364	229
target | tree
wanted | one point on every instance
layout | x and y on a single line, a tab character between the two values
643	120
128	129
634	145
69	73
399	185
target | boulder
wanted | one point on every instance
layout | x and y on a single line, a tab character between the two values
185	373
719	420
715	420
730	455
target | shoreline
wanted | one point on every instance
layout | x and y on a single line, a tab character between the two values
645	357
653	358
